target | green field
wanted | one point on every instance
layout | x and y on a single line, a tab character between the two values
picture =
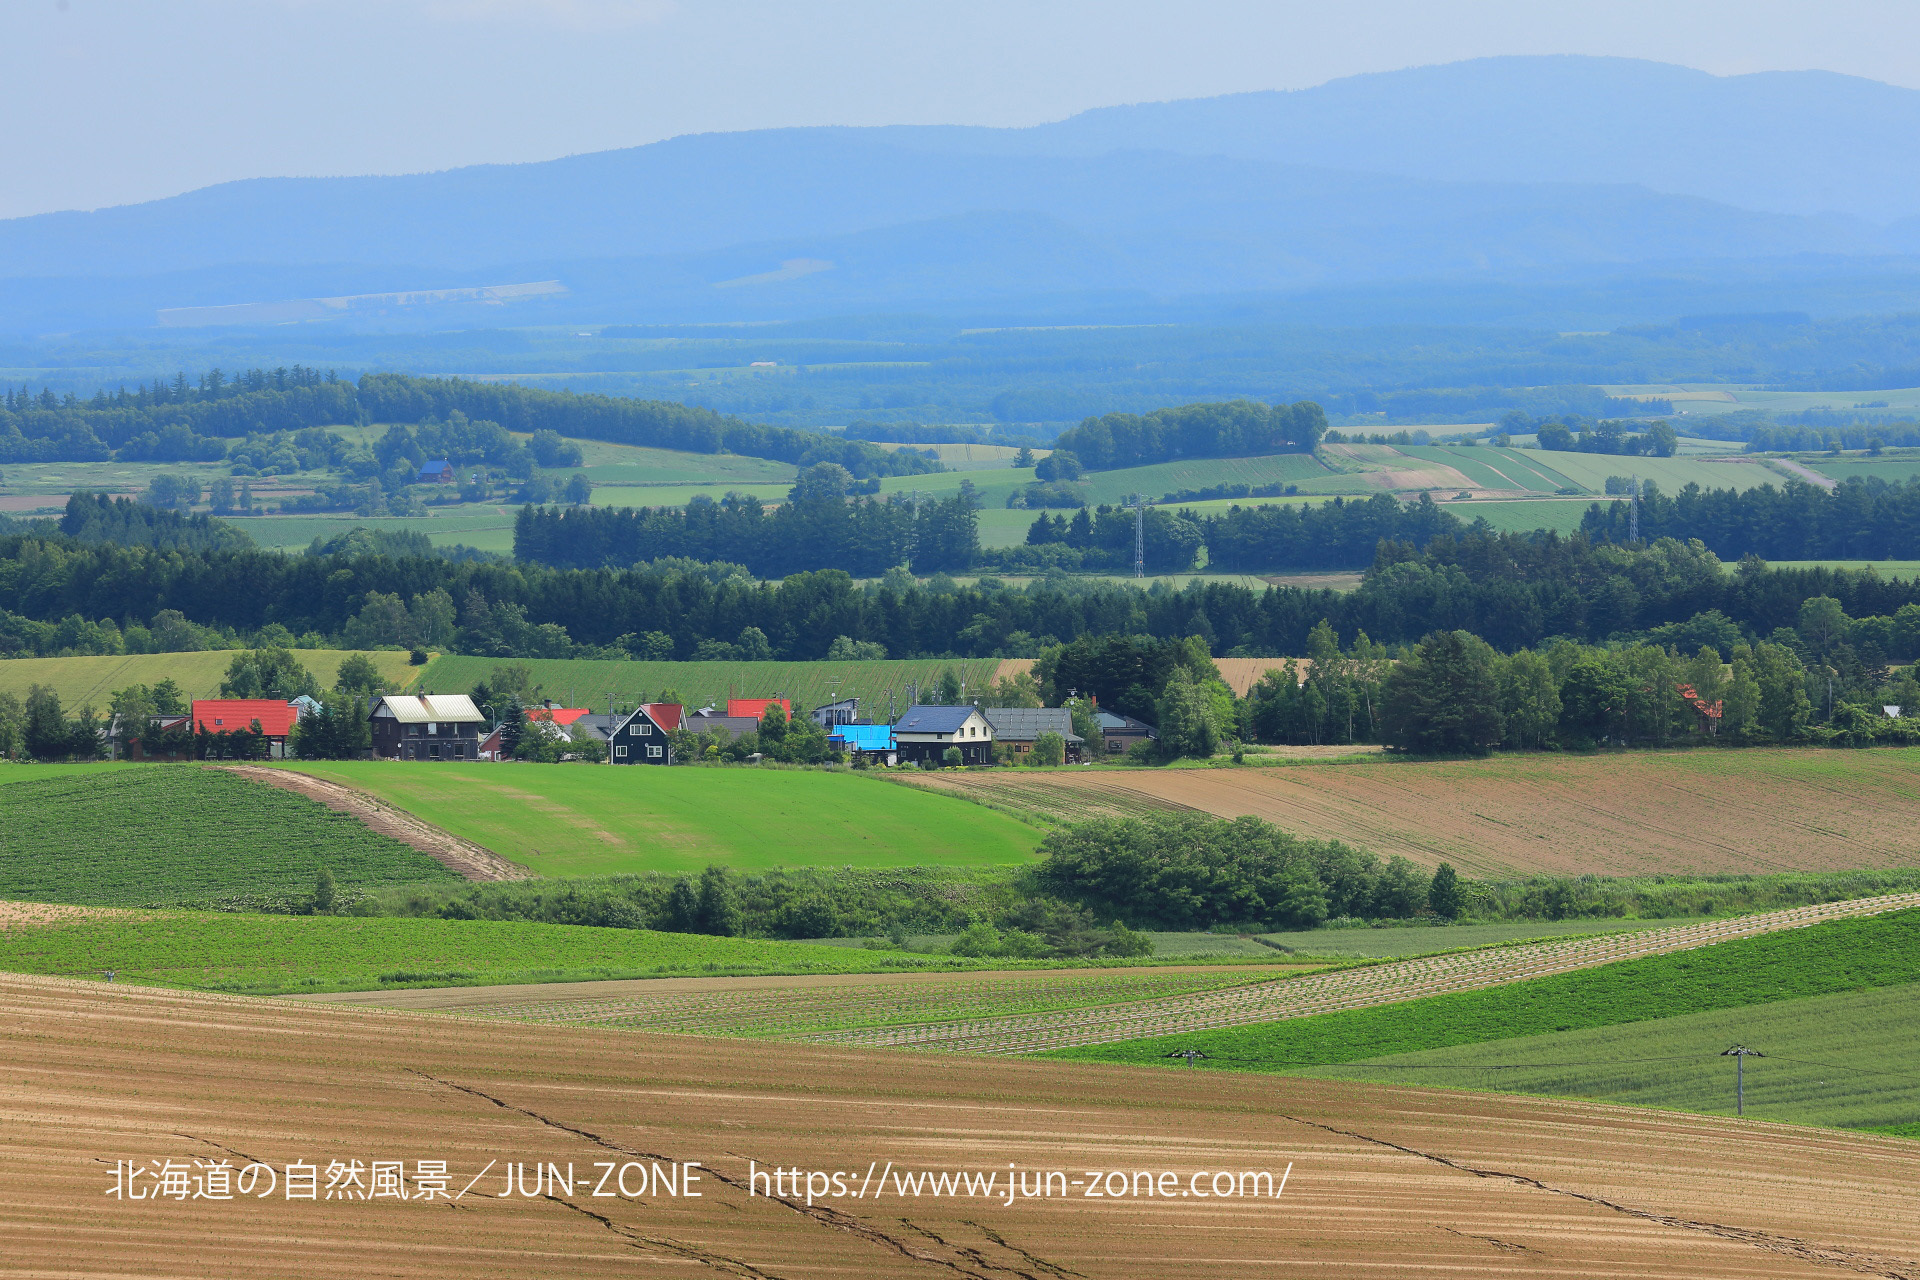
1893	469
83	680
1839	1060
578	820
1590	470
263	954
1491	468
625	464
678	495
154	834
1561	515
1827	959
579	682
1398	944
484	528
1885	568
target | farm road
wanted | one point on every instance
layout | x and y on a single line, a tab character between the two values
462	857
1346	989
1645	813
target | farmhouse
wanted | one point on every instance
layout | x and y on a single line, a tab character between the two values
1020	727
434	726
641	736
1120	732
438	471
239	715
757	707
835	714
925	733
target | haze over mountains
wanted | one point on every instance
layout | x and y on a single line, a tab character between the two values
1507	168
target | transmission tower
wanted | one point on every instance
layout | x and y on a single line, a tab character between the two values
1633	513
1139	536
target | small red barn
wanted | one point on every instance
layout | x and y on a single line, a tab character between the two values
237	715
757	707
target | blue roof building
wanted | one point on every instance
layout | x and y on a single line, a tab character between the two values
863	737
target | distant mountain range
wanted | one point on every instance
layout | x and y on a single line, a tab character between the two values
1497	168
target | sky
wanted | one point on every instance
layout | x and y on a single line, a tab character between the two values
116	101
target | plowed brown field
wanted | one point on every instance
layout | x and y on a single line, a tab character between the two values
1385	1181
1629	814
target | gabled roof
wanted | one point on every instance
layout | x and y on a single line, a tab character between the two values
434	708
668	715
1024	724
934	719
236	715
1111	723
732	726
757	707
561	716
436	464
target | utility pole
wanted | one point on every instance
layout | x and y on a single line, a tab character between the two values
1139	537
1740	1053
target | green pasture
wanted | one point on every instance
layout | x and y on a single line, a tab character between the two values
1843	1061
268	954
1826	959
1562	515
157	834
678	495
1885	568
484	527
1400	943
584	682
1590	471
1894	470
91	679
586	820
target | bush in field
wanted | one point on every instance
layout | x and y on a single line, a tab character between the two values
1187	871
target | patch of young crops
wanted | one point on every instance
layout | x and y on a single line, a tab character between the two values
797	1011
263	954
1837	956
163	834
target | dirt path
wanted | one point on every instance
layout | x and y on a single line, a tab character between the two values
1408	1183
1348	989
460	856
1805	472
29	914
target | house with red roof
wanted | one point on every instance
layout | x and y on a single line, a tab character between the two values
757	707
274	717
641	738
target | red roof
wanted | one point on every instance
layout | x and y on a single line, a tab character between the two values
233	715
559	715
757	707
664	714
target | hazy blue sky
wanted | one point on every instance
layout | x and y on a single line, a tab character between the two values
109	101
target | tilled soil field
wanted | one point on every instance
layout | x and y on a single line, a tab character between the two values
1380	1181
1627	814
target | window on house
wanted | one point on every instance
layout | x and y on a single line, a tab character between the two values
653	751
434	751
619	753
643	729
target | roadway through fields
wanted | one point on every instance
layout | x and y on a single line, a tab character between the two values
1330	992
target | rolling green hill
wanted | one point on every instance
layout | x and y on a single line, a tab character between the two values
583	820
92	679
135	835
1841	1060
265	954
1865	954
583	682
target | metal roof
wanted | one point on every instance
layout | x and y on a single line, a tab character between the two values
434	708
934	719
864	737
1024	724
1109	722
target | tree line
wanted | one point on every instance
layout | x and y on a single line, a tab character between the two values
185	423
1237	428
1858	519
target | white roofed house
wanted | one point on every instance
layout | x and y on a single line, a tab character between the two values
433	726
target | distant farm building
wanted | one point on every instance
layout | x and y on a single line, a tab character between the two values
439	471
434	726
757	707
1018	728
275	719
640	737
873	743
925	734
